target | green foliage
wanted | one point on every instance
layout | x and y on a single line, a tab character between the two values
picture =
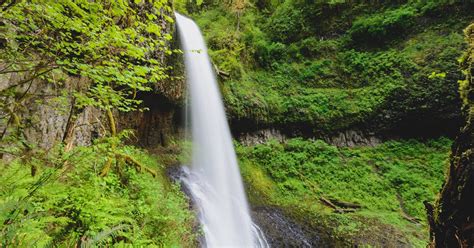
465	85
67	204
390	181
313	47
294	20
438	6
383	26
286	23
113	44
55	197
287	97
365	68
225	44
321	78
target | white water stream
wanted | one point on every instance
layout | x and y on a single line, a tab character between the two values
214	178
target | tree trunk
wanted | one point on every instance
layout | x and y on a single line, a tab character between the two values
451	220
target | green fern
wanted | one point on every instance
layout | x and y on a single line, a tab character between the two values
102	236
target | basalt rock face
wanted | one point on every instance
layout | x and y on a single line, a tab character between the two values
281	231
159	126
352	138
346	138
43	112
261	136
452	219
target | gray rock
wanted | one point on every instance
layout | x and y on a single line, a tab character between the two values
347	138
261	136
352	138
281	231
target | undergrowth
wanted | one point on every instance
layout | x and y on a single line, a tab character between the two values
389	182
66	203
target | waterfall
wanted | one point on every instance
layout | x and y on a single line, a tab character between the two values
214	179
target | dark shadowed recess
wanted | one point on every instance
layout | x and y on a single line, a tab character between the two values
417	126
161	124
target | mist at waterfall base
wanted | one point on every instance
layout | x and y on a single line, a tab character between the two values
213	179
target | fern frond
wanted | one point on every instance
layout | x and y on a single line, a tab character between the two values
101	236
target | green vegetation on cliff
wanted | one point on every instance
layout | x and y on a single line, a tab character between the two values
386	185
333	65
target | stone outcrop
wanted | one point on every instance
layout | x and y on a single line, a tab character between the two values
261	136
43	111
159	126
346	138
352	138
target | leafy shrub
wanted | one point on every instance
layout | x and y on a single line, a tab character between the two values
439	6
286	24
312	47
224	41
383	27
267	53
365	68
68	204
90	40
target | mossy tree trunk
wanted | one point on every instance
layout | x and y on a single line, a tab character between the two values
452	219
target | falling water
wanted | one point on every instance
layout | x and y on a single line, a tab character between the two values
214	178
